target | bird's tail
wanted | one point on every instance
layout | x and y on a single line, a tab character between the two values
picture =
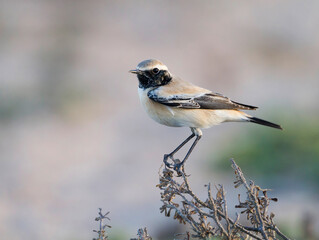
263	122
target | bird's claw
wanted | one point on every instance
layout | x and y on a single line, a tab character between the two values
167	164
178	167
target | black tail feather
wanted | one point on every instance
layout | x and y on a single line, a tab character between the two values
265	123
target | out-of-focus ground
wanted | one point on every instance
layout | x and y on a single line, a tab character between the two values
73	136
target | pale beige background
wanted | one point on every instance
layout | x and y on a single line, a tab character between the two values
73	136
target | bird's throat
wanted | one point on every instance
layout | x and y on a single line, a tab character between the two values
147	80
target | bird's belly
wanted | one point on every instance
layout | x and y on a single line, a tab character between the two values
178	117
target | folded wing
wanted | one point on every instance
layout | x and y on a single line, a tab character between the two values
199	101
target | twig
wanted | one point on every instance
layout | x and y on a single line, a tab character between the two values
252	194
192	210
101	232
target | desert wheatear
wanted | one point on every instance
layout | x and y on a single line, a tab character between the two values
173	102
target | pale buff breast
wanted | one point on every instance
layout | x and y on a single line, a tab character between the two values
158	112
179	117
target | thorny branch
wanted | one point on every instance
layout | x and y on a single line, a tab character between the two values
101	232
210	218
142	235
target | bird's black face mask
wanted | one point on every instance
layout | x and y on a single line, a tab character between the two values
153	78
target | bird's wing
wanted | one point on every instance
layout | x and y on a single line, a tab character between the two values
197	101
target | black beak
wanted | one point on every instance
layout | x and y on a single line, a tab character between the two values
135	71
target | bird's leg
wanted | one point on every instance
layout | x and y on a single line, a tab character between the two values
177	166
198	134
171	155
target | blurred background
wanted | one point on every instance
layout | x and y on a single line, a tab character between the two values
74	137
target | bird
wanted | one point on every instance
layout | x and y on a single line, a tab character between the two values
173	102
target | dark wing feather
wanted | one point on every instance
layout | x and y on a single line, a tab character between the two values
203	101
218	101
180	101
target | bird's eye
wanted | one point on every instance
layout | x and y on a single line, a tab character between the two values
155	70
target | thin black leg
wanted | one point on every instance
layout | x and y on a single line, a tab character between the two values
178	166
182	144
166	156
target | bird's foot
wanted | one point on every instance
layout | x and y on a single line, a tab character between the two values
165	160
176	164
178	167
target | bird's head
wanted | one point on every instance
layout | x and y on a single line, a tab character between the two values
152	73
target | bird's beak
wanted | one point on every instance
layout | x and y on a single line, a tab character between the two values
135	71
